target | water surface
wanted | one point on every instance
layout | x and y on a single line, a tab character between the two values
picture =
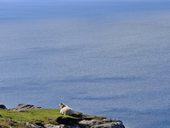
106	58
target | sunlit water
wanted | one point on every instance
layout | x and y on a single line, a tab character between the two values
104	58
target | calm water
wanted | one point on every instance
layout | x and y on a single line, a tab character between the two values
104	58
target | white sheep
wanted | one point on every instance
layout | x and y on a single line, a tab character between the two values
65	110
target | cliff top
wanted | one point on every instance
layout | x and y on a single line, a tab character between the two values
30	116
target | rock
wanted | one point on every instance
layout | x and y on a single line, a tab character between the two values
30	125
67	120
89	122
108	125
105	123
73	122
54	126
24	107
93	123
62	126
2	106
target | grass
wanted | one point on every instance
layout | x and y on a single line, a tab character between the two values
43	116
30	115
10	118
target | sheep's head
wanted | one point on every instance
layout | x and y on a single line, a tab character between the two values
61	105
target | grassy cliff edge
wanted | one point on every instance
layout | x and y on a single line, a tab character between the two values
42	115
30	116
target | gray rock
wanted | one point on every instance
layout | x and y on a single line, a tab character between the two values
30	125
90	122
53	126
2	106
62	126
109	125
105	123
24	107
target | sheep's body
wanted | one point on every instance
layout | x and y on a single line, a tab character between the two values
65	110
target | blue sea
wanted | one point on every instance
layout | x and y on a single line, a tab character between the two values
99	57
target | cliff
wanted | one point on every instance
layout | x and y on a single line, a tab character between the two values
30	116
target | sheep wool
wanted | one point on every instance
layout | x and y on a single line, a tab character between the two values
65	110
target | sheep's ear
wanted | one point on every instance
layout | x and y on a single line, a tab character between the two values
63	104
60	104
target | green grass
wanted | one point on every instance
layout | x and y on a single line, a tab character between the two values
30	115
43	116
12	118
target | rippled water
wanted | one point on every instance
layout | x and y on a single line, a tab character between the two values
105	58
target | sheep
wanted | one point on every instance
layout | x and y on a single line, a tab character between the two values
65	110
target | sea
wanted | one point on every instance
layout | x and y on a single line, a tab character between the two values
108	58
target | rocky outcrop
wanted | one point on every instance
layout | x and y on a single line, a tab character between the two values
30	125
83	122
76	120
54	126
101	123
92	123
24	107
2	106
67	120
